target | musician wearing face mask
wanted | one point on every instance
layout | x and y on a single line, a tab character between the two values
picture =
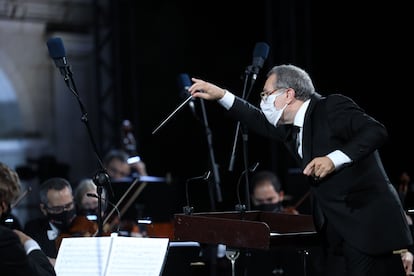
87	210
85	203
268	196
58	208
267	193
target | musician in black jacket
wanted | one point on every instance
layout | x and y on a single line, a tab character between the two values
58	208
19	253
356	208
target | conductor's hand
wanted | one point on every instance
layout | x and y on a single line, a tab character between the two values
205	90
319	167
407	259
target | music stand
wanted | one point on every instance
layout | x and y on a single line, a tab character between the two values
147	201
180	258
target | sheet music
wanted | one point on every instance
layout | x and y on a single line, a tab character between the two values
111	256
143	257
83	256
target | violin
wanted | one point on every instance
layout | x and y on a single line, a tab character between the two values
293	209
81	226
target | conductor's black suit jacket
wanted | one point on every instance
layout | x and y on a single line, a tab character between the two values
358	199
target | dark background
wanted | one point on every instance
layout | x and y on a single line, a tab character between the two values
362	51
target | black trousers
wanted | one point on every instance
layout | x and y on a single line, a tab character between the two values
341	259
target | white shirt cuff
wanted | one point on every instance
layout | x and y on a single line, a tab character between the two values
339	158
227	100
31	245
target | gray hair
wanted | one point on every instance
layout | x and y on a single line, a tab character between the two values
54	183
83	187
291	76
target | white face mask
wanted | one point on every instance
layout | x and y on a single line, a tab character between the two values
272	114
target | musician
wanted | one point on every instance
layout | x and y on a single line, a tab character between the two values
120	165
267	193
123	167
86	204
86	199
19	254
58	209
405	189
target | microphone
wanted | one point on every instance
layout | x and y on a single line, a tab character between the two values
188	210
240	207
260	53
58	54
184	82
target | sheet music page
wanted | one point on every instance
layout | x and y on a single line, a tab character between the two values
111	256
137	256
82	256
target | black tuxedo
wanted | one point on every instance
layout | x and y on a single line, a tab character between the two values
37	229
358	200
15	262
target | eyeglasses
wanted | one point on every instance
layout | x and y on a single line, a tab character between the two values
60	209
265	94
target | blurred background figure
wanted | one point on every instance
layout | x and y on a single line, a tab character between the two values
120	165
19	253
405	190
124	167
123	170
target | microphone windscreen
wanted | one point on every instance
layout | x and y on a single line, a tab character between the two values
56	48
261	50
184	81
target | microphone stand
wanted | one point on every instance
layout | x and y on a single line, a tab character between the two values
214	166
101	178
250	70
